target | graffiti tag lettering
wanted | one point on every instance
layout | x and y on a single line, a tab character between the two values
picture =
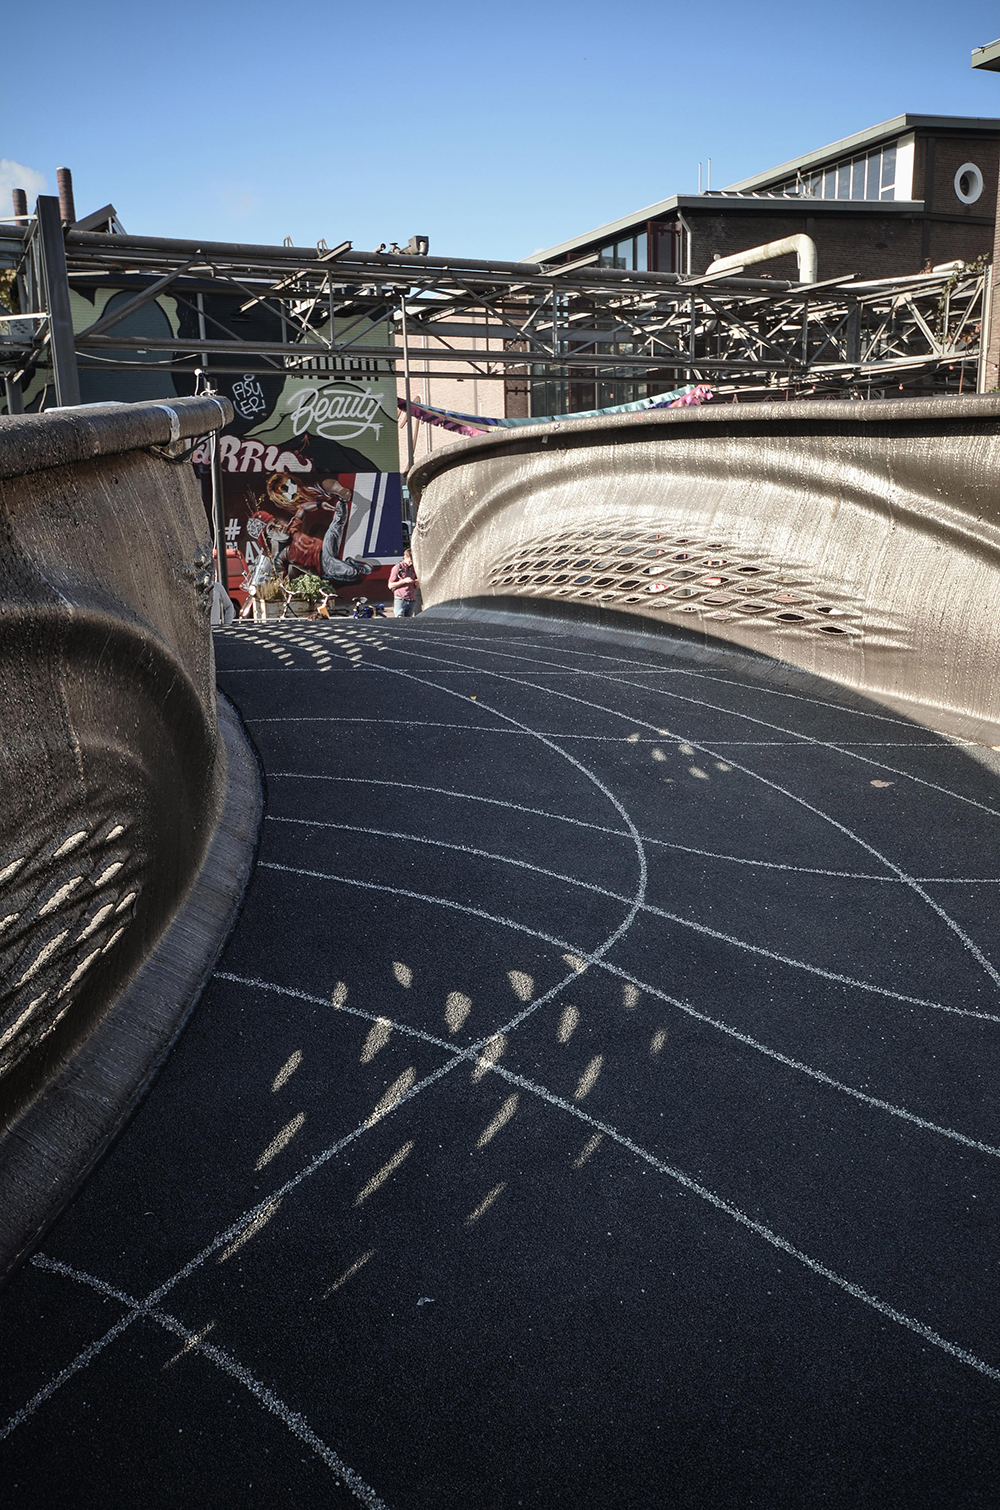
337	411
248	398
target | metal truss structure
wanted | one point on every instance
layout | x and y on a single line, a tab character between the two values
274	310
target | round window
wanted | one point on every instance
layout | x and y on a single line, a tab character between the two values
968	183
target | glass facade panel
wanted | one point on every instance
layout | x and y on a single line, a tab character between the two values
621	255
640	252
871	177
666	252
874	188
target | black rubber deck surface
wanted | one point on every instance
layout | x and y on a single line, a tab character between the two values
596	1106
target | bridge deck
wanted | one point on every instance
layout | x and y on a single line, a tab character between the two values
596	1105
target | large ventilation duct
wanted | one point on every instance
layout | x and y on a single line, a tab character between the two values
803	246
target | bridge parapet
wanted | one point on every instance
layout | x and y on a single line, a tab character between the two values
858	541
113	774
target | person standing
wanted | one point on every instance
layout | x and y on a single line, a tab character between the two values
403	586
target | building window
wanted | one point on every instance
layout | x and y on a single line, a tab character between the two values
968	183
629	255
871	177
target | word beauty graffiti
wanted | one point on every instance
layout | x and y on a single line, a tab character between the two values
336	411
251	456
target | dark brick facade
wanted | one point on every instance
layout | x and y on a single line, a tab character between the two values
862	237
869	244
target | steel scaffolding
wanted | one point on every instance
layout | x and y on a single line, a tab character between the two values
571	325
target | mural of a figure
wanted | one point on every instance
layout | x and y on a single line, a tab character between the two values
306	551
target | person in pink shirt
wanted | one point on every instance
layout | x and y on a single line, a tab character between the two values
403	586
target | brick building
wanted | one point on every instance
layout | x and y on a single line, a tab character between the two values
887	200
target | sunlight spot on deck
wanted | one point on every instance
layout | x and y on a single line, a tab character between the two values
250	1230
485	1204
521	984
488	1058
287	1070
589	1078
456	1010
388	1168
501	1119
396	1092
378	1037
350	1272
590	1147
280	1140
567	1023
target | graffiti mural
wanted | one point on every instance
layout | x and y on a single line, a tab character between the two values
313	444
310	468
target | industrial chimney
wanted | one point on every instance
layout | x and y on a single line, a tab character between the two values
67	209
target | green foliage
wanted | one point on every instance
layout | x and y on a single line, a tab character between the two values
310	587
960	275
8	290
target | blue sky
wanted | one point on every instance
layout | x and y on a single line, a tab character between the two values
495	130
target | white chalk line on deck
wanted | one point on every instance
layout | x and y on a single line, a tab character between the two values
88	1354
455	642
963	1355
805	739
726	938
289	1418
967	942
621	833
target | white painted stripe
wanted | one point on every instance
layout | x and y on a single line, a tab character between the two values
603	891
806	739
618	833
963	1355
757	1228
267	1204
725	938
876	1102
457	641
194	1341
794	743
909	880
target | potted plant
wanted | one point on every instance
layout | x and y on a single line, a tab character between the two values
270	592
304	595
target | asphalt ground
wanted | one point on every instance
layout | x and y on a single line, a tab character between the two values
595	1106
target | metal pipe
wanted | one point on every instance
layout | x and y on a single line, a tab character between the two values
984	334
302	256
218	514
689	245
67	209
19	199
61	339
406	387
803	246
